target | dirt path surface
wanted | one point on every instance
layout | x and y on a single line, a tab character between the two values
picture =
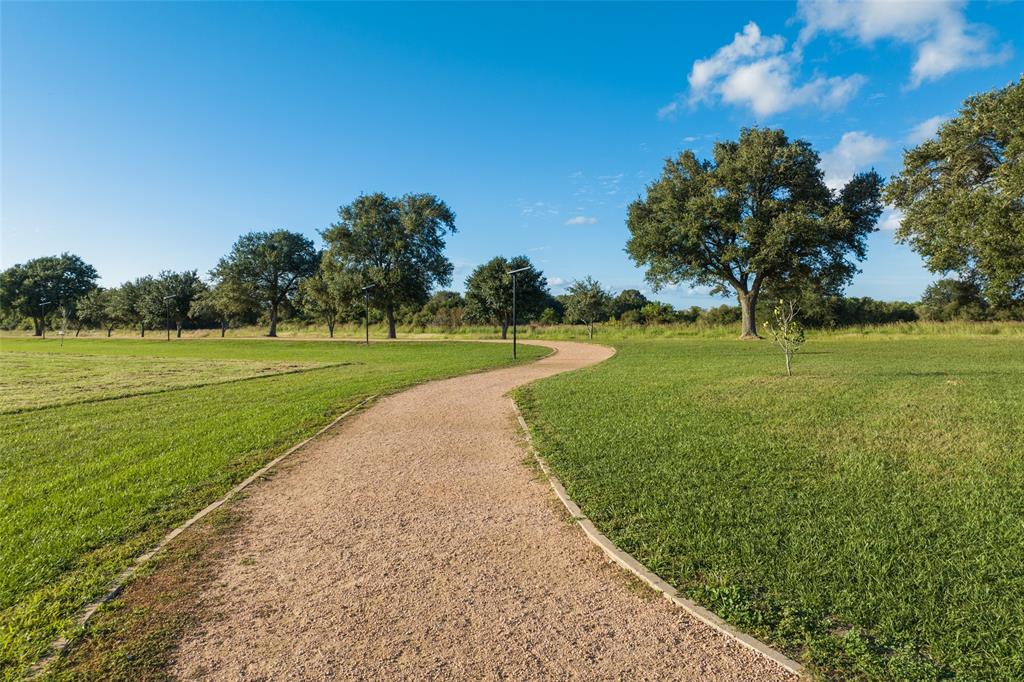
413	543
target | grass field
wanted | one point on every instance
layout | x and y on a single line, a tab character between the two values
107	444
866	515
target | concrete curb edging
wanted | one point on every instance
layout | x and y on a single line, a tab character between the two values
59	645
629	563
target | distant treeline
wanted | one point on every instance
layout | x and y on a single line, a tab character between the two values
60	292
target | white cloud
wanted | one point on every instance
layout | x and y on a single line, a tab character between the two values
924	130
890	219
945	42
755	71
581	220
528	209
555	281
749	44
668	110
763	85
856	151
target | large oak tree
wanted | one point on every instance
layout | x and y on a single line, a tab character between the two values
395	244
268	267
46	285
756	216
963	197
489	292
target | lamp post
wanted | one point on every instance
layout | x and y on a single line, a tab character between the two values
514	335
366	297
167	310
42	315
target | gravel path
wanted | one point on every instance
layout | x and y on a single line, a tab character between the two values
413	543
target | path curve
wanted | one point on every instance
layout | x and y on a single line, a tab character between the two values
413	543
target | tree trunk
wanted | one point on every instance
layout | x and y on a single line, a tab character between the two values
178	326
142	329
590	331
38	324
273	320
390	312
748	305
330	328
78	330
110	330
504	330
223	327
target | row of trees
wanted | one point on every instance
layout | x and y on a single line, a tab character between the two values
64	288
331	296
388	252
393	246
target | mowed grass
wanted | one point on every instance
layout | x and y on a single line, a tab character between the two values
86	487
28	384
866	515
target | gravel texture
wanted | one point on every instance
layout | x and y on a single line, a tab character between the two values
413	542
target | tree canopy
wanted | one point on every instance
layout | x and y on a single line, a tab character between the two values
627	300
170	296
952	299
128	302
757	216
394	244
42	286
446	309
587	302
332	293
95	309
268	267
489	292
962	194
227	302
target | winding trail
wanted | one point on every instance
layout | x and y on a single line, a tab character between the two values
413	543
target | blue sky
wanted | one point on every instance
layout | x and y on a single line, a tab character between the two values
149	136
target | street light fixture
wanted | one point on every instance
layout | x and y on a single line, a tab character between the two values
366	296
514	339
167	310
42	314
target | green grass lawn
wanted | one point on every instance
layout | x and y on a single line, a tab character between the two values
866	515
106	444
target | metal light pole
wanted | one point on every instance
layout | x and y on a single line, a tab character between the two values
514	335
366	296
167	310
42	315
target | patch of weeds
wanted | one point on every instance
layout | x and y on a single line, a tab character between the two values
531	463
639	587
854	654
